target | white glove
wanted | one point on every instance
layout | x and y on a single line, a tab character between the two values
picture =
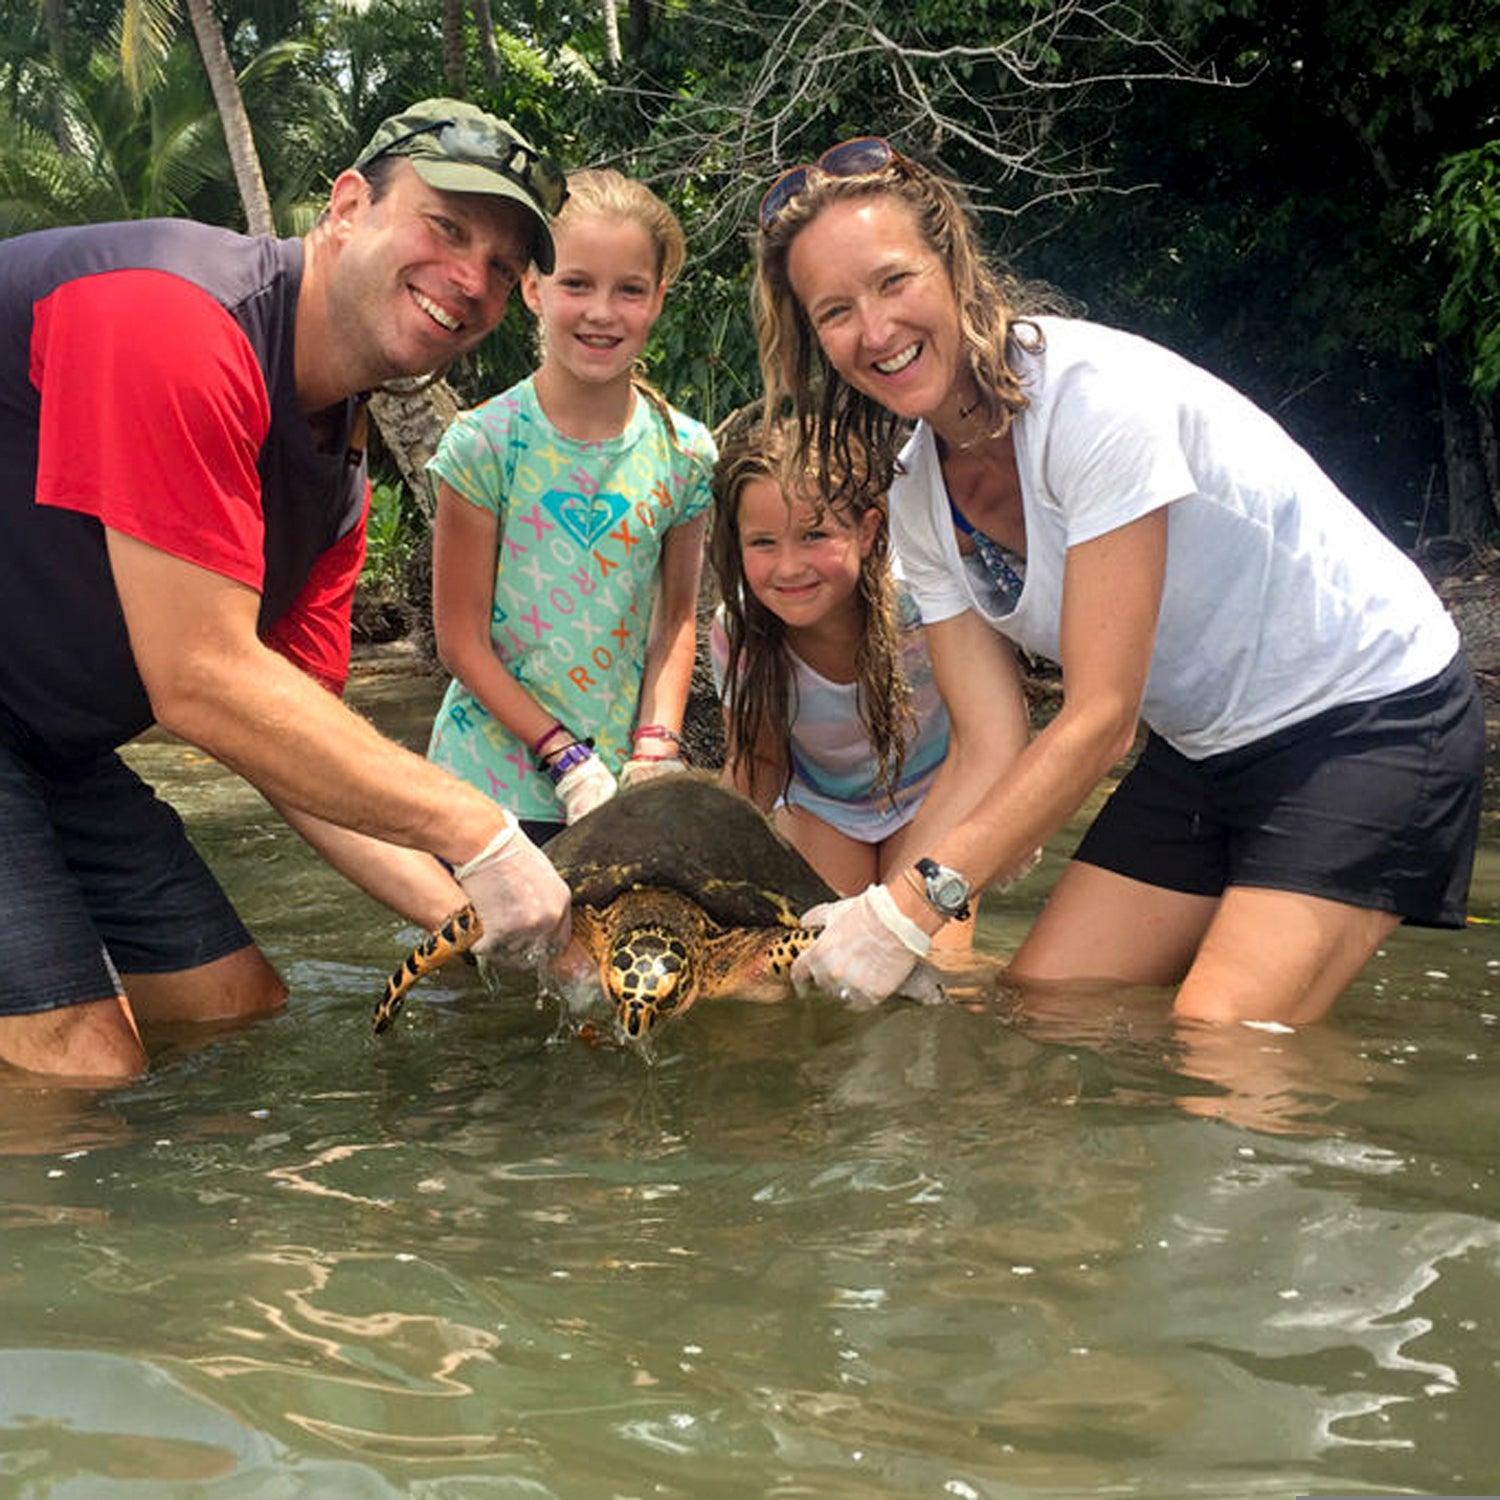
523	903
584	787
866	951
636	769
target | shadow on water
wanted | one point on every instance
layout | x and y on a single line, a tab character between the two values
968	1250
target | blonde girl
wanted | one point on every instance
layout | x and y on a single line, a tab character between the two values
831	713
568	540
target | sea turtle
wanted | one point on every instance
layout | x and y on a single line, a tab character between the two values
682	891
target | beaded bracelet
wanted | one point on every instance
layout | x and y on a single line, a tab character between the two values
658	732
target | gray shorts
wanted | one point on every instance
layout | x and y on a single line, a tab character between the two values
1373	804
98	878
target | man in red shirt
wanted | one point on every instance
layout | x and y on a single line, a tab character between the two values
182	493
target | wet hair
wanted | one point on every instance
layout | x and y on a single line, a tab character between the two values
602	192
760	694
832	421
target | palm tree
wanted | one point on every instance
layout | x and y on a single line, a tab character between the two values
146	31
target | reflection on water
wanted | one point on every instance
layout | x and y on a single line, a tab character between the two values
960	1251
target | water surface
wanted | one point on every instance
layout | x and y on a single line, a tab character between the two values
802	1251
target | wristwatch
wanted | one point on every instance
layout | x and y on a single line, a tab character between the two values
947	890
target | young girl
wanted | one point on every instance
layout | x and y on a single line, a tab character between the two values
830	709
568	542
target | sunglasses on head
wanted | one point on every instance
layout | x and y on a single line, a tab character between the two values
536	174
860	157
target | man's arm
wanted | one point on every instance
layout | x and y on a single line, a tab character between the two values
215	684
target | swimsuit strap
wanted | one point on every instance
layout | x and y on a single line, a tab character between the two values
1006	569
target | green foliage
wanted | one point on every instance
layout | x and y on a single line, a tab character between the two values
1271	234
1314	232
392	534
1465	224
702	353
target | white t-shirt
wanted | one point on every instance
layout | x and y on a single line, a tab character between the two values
832	761
1280	600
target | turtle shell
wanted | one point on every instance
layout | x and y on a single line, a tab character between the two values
690	834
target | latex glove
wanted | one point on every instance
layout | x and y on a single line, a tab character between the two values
584	787
636	770
866	951
523	903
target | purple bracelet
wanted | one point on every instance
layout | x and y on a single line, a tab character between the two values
574	755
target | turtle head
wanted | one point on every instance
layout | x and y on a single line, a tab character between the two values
649	974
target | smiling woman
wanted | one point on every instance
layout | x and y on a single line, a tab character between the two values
1093	498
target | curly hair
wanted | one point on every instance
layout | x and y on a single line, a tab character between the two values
759	692
832	422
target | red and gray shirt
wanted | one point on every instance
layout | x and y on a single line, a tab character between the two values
147	385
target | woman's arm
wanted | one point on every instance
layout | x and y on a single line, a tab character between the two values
1112	590
976	674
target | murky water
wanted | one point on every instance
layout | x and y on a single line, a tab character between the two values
804	1252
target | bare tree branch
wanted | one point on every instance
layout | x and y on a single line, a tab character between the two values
1001	99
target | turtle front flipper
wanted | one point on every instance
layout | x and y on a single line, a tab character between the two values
457	935
754	964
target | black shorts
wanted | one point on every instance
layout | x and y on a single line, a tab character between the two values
1373	804
98	878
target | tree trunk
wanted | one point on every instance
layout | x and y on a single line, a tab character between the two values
410	427
611	33
236	123
455	71
640	25
1469	457
489	53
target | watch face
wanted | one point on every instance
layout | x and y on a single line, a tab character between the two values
946	889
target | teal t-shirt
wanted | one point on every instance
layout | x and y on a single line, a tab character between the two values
581	530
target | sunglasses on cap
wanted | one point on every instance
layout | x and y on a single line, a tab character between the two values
861	157
467	140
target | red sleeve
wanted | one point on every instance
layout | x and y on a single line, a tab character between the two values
314	633
154	411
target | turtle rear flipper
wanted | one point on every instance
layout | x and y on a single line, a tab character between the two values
457	935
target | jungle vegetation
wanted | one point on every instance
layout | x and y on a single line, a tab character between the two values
1303	196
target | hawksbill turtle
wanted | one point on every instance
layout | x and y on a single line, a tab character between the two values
682	891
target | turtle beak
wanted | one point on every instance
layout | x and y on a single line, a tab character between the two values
636	1017
638	1013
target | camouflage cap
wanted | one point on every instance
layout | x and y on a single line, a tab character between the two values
458	148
